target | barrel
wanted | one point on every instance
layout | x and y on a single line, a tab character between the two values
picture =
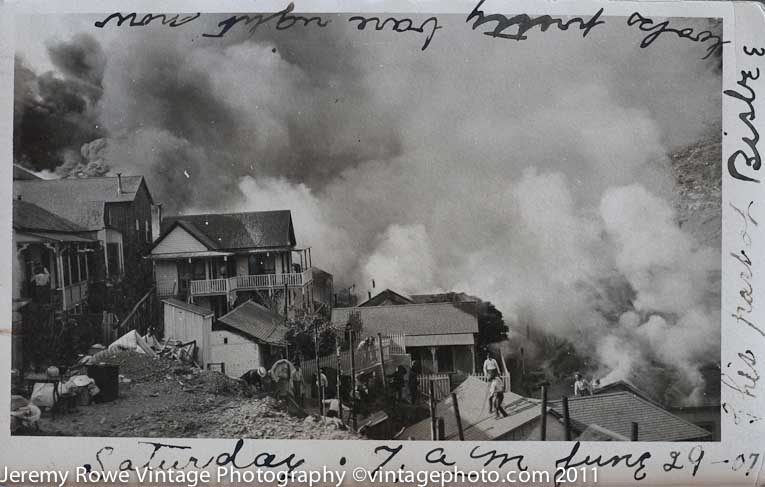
107	380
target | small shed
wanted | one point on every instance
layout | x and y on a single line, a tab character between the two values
248	337
186	322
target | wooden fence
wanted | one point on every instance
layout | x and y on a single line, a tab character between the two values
441	385
367	357
143	318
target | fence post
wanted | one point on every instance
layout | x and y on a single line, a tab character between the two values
457	417
566	418
382	360
432	407
543	425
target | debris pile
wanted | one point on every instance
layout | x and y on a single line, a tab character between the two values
168	398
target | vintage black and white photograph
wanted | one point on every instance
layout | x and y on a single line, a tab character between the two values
339	226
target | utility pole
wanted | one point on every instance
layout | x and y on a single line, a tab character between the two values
353	377
339	379
566	418
543	425
319	388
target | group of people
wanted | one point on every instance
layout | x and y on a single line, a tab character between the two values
406	382
284	379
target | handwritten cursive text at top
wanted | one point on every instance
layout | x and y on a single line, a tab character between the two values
524	23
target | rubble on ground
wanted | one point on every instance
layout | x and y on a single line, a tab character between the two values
168	398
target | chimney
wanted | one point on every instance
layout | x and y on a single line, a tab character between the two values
119	183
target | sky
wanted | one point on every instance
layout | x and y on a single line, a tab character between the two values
520	172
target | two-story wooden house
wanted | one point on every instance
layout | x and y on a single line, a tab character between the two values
219	260
118	210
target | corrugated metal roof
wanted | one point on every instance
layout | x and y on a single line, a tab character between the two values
478	424
439	340
193	308
257	322
413	319
80	200
20	172
259	229
617	411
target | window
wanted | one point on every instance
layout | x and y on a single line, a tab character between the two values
147	235
262	263
198	270
113	258
137	225
65	264
81	257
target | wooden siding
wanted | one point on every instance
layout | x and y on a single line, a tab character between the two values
237	353
178	240
184	325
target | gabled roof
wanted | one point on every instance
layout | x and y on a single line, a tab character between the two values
28	216
413	319
257	322
387	297
20	172
616	412
250	230
80	200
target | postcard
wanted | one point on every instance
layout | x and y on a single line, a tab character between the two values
372	243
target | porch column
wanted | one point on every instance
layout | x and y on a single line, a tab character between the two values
310	262
60	261
87	270
207	268
79	268
435	359
472	356
106	260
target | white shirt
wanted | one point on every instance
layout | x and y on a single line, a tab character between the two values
489	364
581	387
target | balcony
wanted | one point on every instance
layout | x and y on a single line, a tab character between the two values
212	287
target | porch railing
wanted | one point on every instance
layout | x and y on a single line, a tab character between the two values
249	282
75	294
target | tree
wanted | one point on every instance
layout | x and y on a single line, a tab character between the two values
301	335
491	325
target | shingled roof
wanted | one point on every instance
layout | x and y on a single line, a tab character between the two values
616	412
28	216
257	322
256	229
414	319
80	200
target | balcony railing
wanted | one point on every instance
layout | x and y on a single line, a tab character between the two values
207	287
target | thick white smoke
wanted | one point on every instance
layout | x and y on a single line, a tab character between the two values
535	174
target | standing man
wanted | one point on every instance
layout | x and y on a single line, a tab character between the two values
412	381
490	366
581	386
496	396
322	382
297	382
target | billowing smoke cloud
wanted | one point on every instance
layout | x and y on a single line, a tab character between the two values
54	112
534	174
